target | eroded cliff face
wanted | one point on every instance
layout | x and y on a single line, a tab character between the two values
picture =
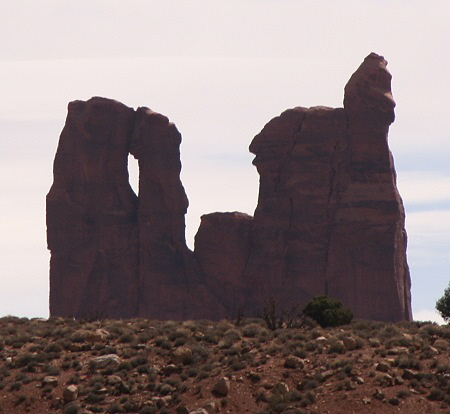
222	249
329	218
91	214
112	253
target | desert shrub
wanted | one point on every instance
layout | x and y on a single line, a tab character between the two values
115	329
15	386
53	347
300	352
96	380
143	369
308	384
114	408
252	330
203	375
278	402
163	342
436	395
236	365
311	346
51	369
407	361
276	318
72	408
232	335
327	311
17	341
336	347
20	399
130	406
23	360
192	372
138	360
93	398
443	369
148	409
200	353
443	304
428	330
127	337
166	389
124	366
394	401
179	336
389	332
403	394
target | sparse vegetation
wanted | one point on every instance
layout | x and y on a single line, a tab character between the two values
443	304
327	312
142	366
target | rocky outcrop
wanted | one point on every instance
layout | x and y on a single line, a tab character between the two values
91	214
329	218
170	282
112	254
162	207
222	248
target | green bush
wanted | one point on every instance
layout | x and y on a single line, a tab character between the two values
327	311
443	304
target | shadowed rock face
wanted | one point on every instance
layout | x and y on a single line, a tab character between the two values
329	218
162	206
222	248
110	252
91	214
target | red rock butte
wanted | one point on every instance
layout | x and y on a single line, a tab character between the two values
329	218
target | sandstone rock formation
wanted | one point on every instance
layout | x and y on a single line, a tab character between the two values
329	218
110	252
222	248
162	206
91	214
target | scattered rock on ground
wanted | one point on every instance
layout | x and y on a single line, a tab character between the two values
50	380
293	362
222	387
103	361
70	393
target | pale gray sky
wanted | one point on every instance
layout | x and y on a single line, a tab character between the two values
220	70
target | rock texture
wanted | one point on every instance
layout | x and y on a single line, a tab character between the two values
162	206
112	254
91	214
222	248
329	218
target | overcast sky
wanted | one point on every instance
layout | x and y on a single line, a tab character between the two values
220	70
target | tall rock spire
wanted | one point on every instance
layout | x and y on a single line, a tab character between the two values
329	218
91	214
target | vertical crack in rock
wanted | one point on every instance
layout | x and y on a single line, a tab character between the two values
295	141
331	210
297	138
